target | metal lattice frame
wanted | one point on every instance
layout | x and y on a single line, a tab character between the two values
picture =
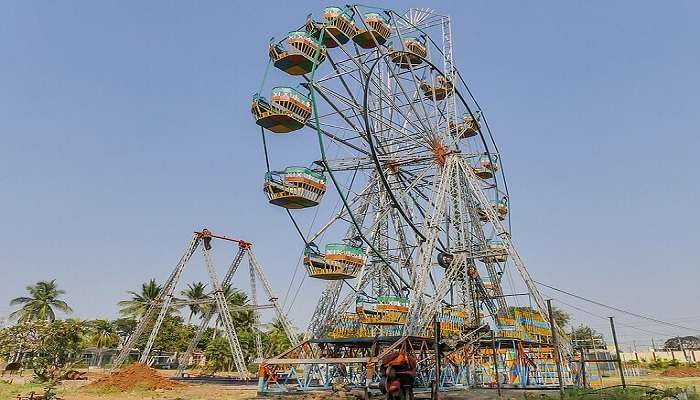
405	180
218	307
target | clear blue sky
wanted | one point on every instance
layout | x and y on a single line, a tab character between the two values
125	125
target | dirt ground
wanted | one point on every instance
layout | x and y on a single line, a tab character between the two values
76	390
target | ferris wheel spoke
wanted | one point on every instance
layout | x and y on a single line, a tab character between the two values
417	124
417	93
397	82
349	163
425	251
400	196
362	210
422	209
311	124
324	92
457	265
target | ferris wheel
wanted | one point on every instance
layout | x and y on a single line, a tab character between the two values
397	153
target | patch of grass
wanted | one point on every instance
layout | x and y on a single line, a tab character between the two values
11	390
617	393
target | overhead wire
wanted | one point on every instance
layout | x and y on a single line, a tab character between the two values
661	322
606	318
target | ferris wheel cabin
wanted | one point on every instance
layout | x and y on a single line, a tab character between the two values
413	55
338	25
298	55
295	187
349	326
501	211
502	207
497	250
346	258
452	320
466	128
340	261
442	89
386	310
287	111
377	32
488	164
488	285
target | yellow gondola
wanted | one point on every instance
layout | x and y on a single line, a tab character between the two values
467	127
452	320
483	217
295	187
377	32
339	27
503	206
414	53
349	326
489	161
488	285
497	251
443	88
298	55
341	261
386	310
488	164
287	110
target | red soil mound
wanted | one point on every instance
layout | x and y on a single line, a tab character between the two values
682	372
135	376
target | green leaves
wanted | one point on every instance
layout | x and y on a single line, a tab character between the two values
40	304
196	292
53	344
102	333
139	302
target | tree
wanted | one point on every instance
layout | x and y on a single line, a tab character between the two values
173	335
560	317
218	354
138	304
275	341
52	345
688	343
585	336
195	292
236	298
103	334
124	327
40	304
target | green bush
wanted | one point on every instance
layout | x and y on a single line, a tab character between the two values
658	364
616	393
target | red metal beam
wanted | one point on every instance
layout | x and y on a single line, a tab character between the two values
241	243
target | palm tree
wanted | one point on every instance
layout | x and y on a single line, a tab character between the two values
195	292
236	298
137	306
276	339
241	319
102	334
43	298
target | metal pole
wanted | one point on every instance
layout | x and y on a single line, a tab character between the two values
583	367
555	343
495	363
436	327
617	351
680	343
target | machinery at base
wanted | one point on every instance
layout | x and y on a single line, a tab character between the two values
398	372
